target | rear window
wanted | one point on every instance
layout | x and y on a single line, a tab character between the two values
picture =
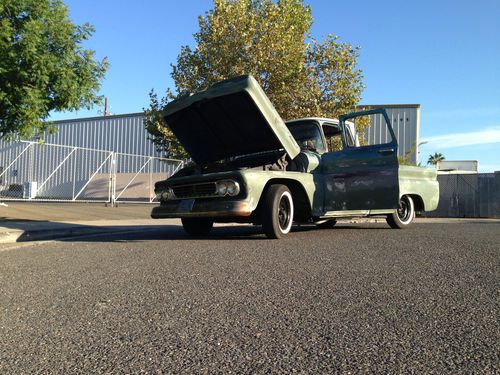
307	135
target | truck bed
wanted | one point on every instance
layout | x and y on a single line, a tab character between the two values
419	182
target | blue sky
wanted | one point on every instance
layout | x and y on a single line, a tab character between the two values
444	55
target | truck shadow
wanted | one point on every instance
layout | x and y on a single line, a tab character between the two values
218	233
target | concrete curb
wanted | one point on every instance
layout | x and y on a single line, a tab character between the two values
10	237
18	236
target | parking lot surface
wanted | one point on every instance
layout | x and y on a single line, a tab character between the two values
354	299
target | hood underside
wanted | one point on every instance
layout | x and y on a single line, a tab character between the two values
231	118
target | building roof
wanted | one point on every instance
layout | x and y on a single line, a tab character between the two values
390	106
94	118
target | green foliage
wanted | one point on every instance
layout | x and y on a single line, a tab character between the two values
162	136
433	159
43	66
405	159
270	40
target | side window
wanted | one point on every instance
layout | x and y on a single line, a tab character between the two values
368	130
333	136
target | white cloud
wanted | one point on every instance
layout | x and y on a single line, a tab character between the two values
452	140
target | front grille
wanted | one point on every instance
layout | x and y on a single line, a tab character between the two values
206	189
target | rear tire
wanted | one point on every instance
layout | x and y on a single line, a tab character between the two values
277	211
404	216
197	226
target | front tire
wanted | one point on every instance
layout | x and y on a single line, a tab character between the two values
404	216
197	226
277	211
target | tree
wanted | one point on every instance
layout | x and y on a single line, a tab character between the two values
405	159
434	159
43	66
270	40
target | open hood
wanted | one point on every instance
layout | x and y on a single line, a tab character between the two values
231	118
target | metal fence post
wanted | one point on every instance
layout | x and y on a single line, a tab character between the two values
31	160
113	179
74	178
110	168
150	181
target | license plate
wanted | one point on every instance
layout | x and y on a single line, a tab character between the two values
185	205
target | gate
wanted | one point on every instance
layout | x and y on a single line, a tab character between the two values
468	195
48	172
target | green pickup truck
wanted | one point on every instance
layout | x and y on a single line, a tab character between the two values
249	166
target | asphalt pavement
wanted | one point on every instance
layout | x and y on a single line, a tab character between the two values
358	298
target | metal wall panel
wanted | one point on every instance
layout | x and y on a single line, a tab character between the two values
126	133
405	121
468	195
120	133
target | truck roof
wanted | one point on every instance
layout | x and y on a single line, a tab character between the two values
321	119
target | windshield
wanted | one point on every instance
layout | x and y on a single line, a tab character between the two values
307	135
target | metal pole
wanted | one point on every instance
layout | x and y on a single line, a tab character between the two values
110	180
74	177
30	171
113	181
150	182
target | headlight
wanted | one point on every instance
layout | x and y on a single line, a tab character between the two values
168	194
228	187
233	188
221	188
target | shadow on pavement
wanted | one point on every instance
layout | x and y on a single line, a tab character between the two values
38	230
222	232
169	232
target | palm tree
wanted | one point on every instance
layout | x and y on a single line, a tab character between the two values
434	159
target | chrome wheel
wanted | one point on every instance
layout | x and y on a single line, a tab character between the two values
284	213
277	211
404	215
404	211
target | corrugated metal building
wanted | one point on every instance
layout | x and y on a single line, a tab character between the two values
126	133
118	133
405	120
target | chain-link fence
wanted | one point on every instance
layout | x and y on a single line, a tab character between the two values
468	195
49	172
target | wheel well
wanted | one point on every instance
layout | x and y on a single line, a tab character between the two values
299	195
417	201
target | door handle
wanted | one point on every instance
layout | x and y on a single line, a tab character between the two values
389	150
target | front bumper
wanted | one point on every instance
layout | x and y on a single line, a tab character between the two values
202	208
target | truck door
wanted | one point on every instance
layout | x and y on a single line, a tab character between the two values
364	174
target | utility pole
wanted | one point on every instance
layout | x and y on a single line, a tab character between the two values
106	113
105	106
